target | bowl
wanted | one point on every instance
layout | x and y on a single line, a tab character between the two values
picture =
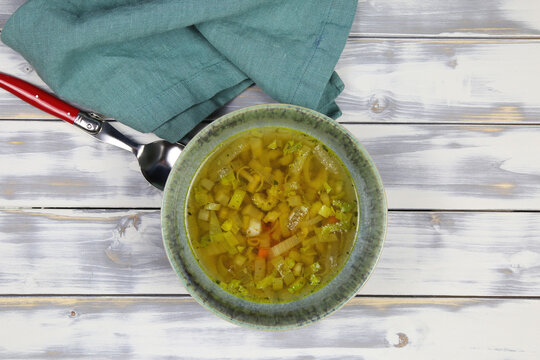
364	254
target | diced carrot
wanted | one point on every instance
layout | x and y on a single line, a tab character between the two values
332	219
263	252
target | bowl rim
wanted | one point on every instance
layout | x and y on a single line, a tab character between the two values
231	312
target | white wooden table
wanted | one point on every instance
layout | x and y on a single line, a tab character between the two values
445	95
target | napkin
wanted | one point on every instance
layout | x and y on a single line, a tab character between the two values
163	66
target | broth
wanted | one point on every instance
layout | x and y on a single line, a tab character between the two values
272	214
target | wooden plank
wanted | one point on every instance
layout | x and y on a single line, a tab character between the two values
443	167
53	164
8	7
120	252
464	18
459	18
469	81
163	328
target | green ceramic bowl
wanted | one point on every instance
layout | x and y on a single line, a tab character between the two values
369	238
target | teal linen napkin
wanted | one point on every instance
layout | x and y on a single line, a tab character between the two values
163	66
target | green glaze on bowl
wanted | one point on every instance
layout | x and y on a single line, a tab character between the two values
364	254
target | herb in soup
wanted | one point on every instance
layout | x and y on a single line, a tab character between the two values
272	215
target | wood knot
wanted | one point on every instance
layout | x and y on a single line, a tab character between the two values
402	340
378	104
72	313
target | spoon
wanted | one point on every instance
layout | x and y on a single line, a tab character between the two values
155	159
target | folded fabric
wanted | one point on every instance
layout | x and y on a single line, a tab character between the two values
163	66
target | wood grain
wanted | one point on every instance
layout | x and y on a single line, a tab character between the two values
469	81
365	328
120	252
443	167
460	18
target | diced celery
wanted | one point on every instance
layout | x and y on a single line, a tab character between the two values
236	199
212	206
343	205
201	196
341	216
297	285
315	267
271	216
295	255
284	246
327	187
205	240
294	201
326	211
314	280
325	198
291	147
207	184
288	278
314	209
290	262
240	248
253	212
239	259
277	284
297	269
272	145
337	227
267	281
227	225
228	178
204	215
222	197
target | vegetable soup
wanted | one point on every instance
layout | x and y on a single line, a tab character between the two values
272	215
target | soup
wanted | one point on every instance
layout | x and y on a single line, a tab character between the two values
272	215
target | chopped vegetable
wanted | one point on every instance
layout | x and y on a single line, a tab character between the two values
207	184
259	269
284	246
297	270
296	216
343	205
227	225
236	199
297	285
325	159
212	206
326	211
271	216
290	233
254	227
314	280
204	215
315	267
263	252
327	188
272	145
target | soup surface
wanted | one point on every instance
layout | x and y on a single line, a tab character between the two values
272	214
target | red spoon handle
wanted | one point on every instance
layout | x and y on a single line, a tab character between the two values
39	98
